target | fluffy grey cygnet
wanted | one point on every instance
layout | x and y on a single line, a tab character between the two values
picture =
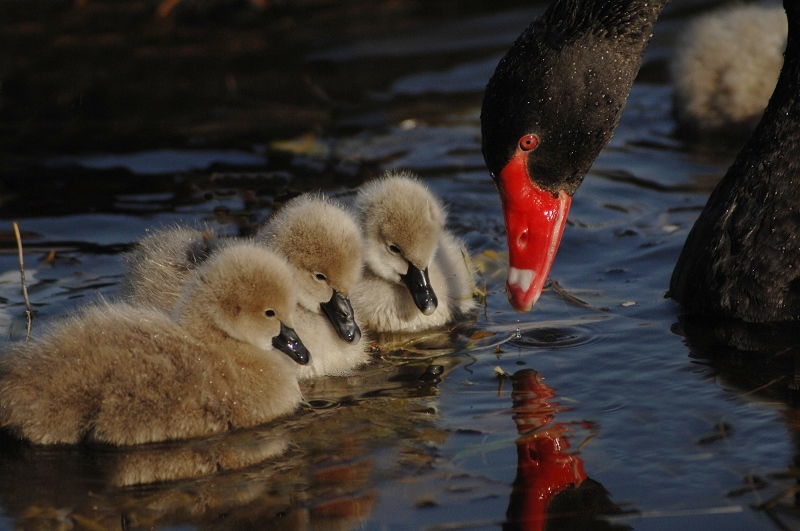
323	244
726	65
124	374
417	275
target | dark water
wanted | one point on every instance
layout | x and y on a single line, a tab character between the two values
661	432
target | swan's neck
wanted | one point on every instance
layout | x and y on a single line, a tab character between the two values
773	150
626	20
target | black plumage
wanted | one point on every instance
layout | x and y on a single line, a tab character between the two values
566	79
742	257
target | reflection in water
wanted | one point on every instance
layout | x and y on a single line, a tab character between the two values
314	470
761	361
237	478
551	489
758	358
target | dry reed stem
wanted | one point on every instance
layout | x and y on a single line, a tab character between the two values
28	311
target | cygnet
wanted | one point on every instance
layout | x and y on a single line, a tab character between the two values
417	275
157	269
124	374
323	243
725	68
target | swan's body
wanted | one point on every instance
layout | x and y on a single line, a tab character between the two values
123	374
725	69
323	244
404	235
742	257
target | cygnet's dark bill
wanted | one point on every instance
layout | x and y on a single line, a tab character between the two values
288	343
340	314
419	285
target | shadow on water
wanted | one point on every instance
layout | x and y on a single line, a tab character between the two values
103	75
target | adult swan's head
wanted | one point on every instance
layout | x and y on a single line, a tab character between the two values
549	109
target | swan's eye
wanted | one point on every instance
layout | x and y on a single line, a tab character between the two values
270	313
394	249
528	142
320	277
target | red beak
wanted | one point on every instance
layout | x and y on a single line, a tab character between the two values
535	221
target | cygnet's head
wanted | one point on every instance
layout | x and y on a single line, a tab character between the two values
402	222
323	243
246	292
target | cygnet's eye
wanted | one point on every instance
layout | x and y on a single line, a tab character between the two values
270	313
320	277
394	249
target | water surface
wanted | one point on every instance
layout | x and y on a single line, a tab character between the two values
597	385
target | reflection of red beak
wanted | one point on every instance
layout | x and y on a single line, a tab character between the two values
545	466
535	221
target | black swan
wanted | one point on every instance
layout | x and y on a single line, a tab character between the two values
549	109
741	259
